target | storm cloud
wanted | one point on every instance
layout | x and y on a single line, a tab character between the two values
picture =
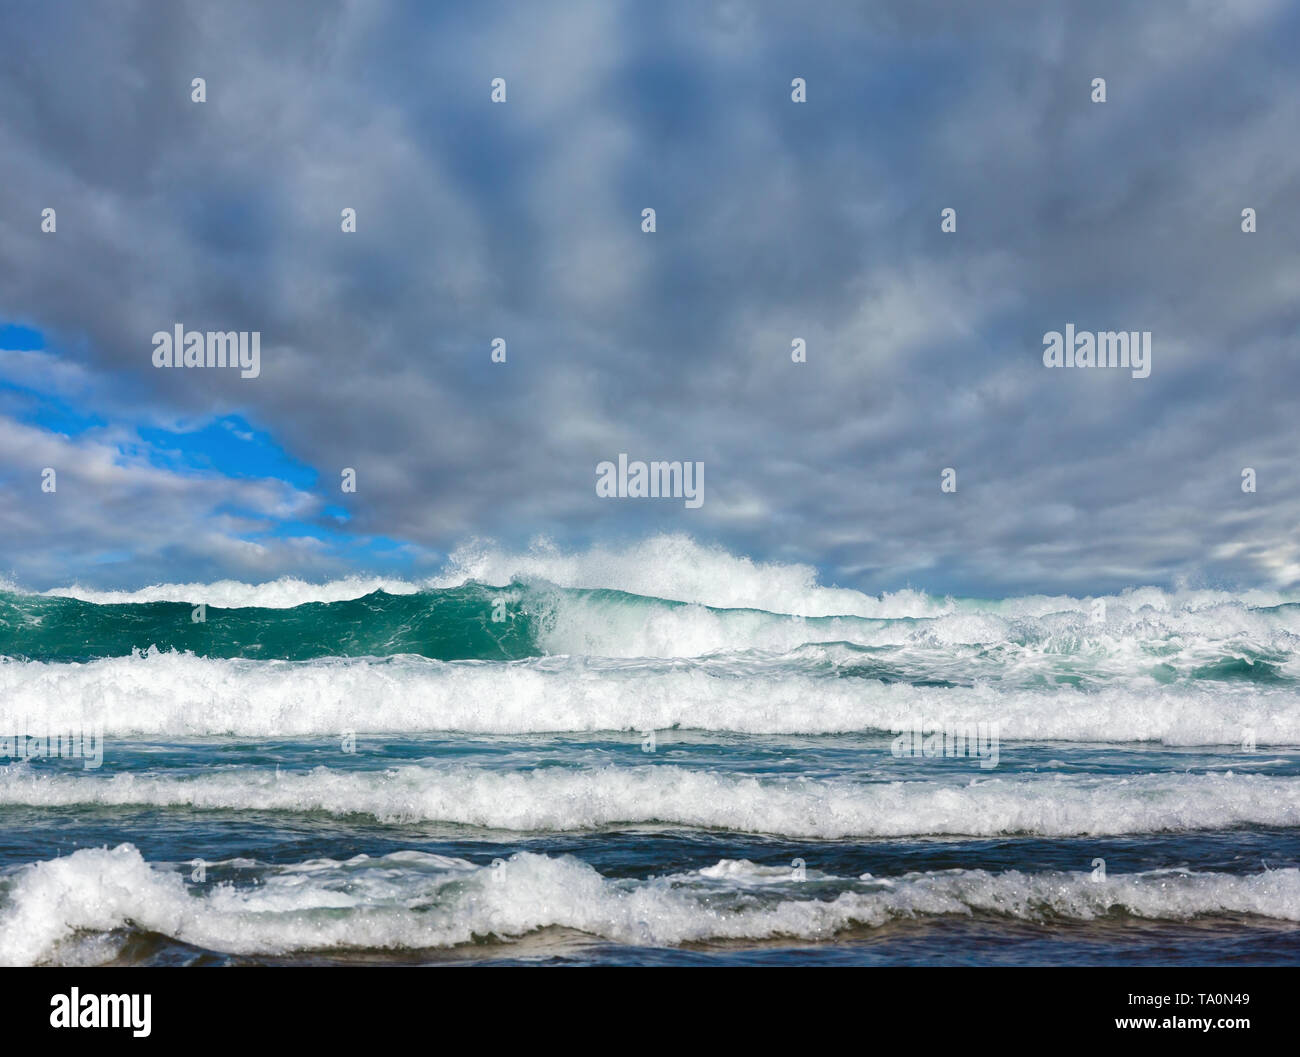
775	220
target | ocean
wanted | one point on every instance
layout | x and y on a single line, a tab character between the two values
666	755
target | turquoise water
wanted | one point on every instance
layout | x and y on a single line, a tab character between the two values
533	772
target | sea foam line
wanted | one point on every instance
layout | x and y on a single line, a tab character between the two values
182	695
412	901
561	799
670	566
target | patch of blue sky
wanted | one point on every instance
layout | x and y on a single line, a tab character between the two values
229	446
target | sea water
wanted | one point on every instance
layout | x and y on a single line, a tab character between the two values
661	755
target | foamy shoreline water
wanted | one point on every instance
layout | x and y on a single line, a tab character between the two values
367	904
653	748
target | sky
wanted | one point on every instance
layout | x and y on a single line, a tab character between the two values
774	220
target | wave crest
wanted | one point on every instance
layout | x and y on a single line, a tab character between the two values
413	901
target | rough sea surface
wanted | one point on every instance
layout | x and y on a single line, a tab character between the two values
656	756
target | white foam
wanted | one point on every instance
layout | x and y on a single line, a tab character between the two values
283	593
1127	642
181	695
414	902
679	568
673	567
629	626
561	799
